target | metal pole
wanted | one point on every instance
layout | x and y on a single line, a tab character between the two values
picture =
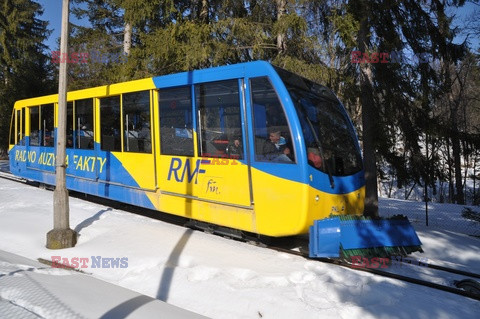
61	236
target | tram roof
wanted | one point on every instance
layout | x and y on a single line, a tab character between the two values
240	70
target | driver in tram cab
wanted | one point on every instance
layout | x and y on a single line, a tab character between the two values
314	158
275	148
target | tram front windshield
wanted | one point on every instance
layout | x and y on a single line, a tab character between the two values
329	135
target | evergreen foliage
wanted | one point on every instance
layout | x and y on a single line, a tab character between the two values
25	70
411	116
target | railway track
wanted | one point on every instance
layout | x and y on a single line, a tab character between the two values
470	294
473	293
9	176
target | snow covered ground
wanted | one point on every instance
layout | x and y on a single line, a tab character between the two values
30	289
221	278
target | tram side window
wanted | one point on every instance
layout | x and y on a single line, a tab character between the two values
34	126
80	124
272	135
84	124
13	127
110	123
219	119
176	121
136	122
70	128
18	128
47	125
22	136
19	116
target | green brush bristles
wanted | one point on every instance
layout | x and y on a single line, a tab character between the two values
382	252
357	217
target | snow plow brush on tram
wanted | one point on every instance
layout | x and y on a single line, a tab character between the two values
347	236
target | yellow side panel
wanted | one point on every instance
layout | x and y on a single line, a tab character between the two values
140	167
224	180
217	193
285	208
280	204
228	216
323	205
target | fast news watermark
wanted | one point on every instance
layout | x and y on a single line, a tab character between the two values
383	262
212	159
89	262
93	56
389	57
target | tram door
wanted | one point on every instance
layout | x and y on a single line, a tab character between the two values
221	143
275	169
206	163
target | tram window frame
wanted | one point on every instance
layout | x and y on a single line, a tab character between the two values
81	124
262	113
13	127
219	118
176	129
110	124
70	125
34	133
137	122
47	125
22	140
84	124
18	126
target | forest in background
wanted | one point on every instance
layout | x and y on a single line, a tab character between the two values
417	116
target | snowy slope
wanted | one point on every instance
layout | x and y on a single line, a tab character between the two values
222	278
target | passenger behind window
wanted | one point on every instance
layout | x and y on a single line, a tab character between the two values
85	137
275	148
86	131
48	138
144	138
234	148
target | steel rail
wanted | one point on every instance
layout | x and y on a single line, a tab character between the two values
416	281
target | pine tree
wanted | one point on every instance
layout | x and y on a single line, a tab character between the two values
388	91
24	67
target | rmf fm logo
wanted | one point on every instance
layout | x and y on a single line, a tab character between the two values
180	169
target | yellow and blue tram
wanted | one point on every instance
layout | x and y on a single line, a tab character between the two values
248	146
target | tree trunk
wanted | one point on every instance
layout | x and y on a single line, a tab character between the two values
204	12
368	126
475	178
458	170
465	175
281	36
459	198
127	38
451	190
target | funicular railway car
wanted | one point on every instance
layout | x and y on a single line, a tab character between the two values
248	146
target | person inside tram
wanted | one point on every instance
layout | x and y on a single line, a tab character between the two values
314	158
85	130
145	143
234	148
275	148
